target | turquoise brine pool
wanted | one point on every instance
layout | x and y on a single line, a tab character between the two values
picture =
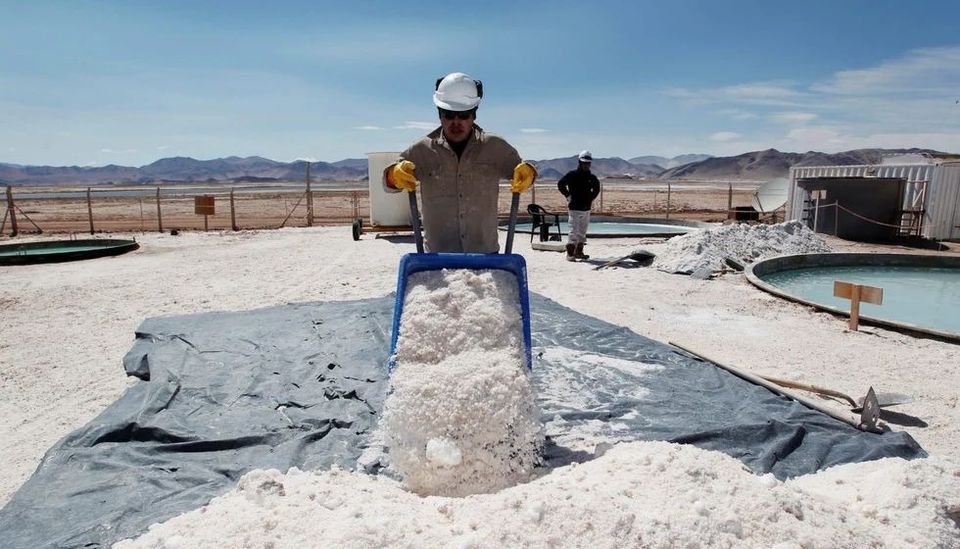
54	251
928	297
609	228
64	249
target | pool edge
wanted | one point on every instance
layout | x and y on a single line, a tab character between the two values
799	261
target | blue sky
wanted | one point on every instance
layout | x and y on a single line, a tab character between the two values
129	82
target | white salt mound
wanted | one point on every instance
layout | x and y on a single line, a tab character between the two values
461	417
707	248
640	494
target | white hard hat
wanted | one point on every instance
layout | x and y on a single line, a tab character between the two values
585	156
457	92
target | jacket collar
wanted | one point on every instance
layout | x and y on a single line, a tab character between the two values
438	137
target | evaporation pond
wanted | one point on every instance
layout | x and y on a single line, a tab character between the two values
923	296
617	227
48	250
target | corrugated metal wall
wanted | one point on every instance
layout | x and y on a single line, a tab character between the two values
934	188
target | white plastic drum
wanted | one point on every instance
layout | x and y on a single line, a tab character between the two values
386	209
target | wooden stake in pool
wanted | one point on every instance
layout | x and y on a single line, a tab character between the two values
857	293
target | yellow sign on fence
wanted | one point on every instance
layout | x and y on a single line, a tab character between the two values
204	205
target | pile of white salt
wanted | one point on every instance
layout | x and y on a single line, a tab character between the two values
461	417
708	248
639	494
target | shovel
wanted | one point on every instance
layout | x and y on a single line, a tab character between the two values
869	416
638	255
882	400
420	261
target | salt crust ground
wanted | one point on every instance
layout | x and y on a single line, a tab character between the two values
642	494
64	328
461	416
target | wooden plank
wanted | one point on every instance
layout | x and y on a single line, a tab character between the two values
857	293
869	294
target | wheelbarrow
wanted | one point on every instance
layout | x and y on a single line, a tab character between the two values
420	261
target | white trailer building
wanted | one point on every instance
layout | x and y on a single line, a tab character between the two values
912	196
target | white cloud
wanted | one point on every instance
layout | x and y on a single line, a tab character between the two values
533	130
116	151
367	128
835	139
776	93
725	136
413	125
737	114
759	91
909	100
791	117
163	147
929	70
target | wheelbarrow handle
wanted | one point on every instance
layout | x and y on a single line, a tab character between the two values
415	220
514	206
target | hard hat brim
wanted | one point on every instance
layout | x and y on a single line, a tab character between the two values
458	106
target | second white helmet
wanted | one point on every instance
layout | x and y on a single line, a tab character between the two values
457	92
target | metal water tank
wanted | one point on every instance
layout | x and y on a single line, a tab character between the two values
386	209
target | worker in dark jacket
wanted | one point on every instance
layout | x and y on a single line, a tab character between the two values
580	187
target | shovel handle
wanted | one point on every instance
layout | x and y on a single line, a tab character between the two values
846	418
514	206
811	389
415	220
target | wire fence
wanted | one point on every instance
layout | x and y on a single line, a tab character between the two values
28	210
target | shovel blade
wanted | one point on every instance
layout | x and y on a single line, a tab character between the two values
870	413
885	400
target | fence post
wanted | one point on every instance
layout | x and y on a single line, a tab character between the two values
11	208
309	199
159	214
729	200
668	199
836	217
90	210
233	213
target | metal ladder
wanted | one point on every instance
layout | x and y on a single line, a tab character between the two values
911	217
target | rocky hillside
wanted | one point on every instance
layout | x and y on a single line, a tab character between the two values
602	167
771	163
757	165
230	169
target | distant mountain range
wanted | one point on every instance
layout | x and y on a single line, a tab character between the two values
758	165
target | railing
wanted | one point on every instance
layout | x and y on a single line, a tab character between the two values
167	207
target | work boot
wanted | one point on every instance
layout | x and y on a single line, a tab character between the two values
578	253
570	252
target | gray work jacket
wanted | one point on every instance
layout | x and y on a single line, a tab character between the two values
460	196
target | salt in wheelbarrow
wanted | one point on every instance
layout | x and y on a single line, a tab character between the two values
420	261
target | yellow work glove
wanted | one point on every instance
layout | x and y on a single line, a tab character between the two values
402	176
523	176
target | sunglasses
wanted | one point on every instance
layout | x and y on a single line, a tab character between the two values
462	115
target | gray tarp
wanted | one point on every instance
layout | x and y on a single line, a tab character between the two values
301	385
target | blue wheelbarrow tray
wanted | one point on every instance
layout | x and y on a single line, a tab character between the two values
415	263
